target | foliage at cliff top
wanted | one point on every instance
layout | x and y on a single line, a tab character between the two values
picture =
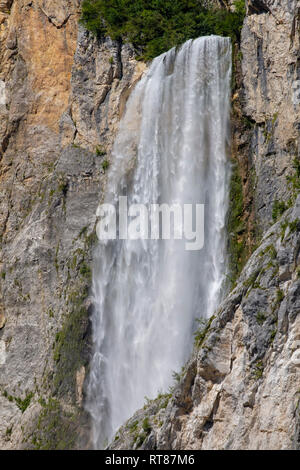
155	26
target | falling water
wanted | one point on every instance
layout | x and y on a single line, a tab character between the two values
170	148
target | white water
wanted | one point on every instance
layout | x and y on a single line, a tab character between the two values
171	147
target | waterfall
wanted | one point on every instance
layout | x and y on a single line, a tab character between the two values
171	147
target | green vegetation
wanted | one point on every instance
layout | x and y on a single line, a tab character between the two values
55	428
105	165
294	186
294	180
296	165
164	399
251	281
294	225
91	239
42	401
272	336
50	312
86	271
69	348
63	184
21	404
283	227
155	26
177	376
146	426
279	296
279	207
56	263
69	344
140	429
270	250
83	231
8	432
17	283
140	438
275	117
100	151
133	427
260	318
258	370
9	397
269	128
248	123
201	332
236	226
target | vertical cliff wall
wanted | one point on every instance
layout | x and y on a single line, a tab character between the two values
62	93
270	98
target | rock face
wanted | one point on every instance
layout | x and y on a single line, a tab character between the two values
61	96
62	93
271	97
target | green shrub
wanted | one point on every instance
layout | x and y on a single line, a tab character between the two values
272	336
294	225
100	151
146	426
251	281
260	318
296	166
21	404
202	331
154	26
270	250
105	165
177	376
279	296
279	207
133	427
85	271
63	185
258	370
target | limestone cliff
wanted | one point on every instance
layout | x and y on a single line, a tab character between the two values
62	93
